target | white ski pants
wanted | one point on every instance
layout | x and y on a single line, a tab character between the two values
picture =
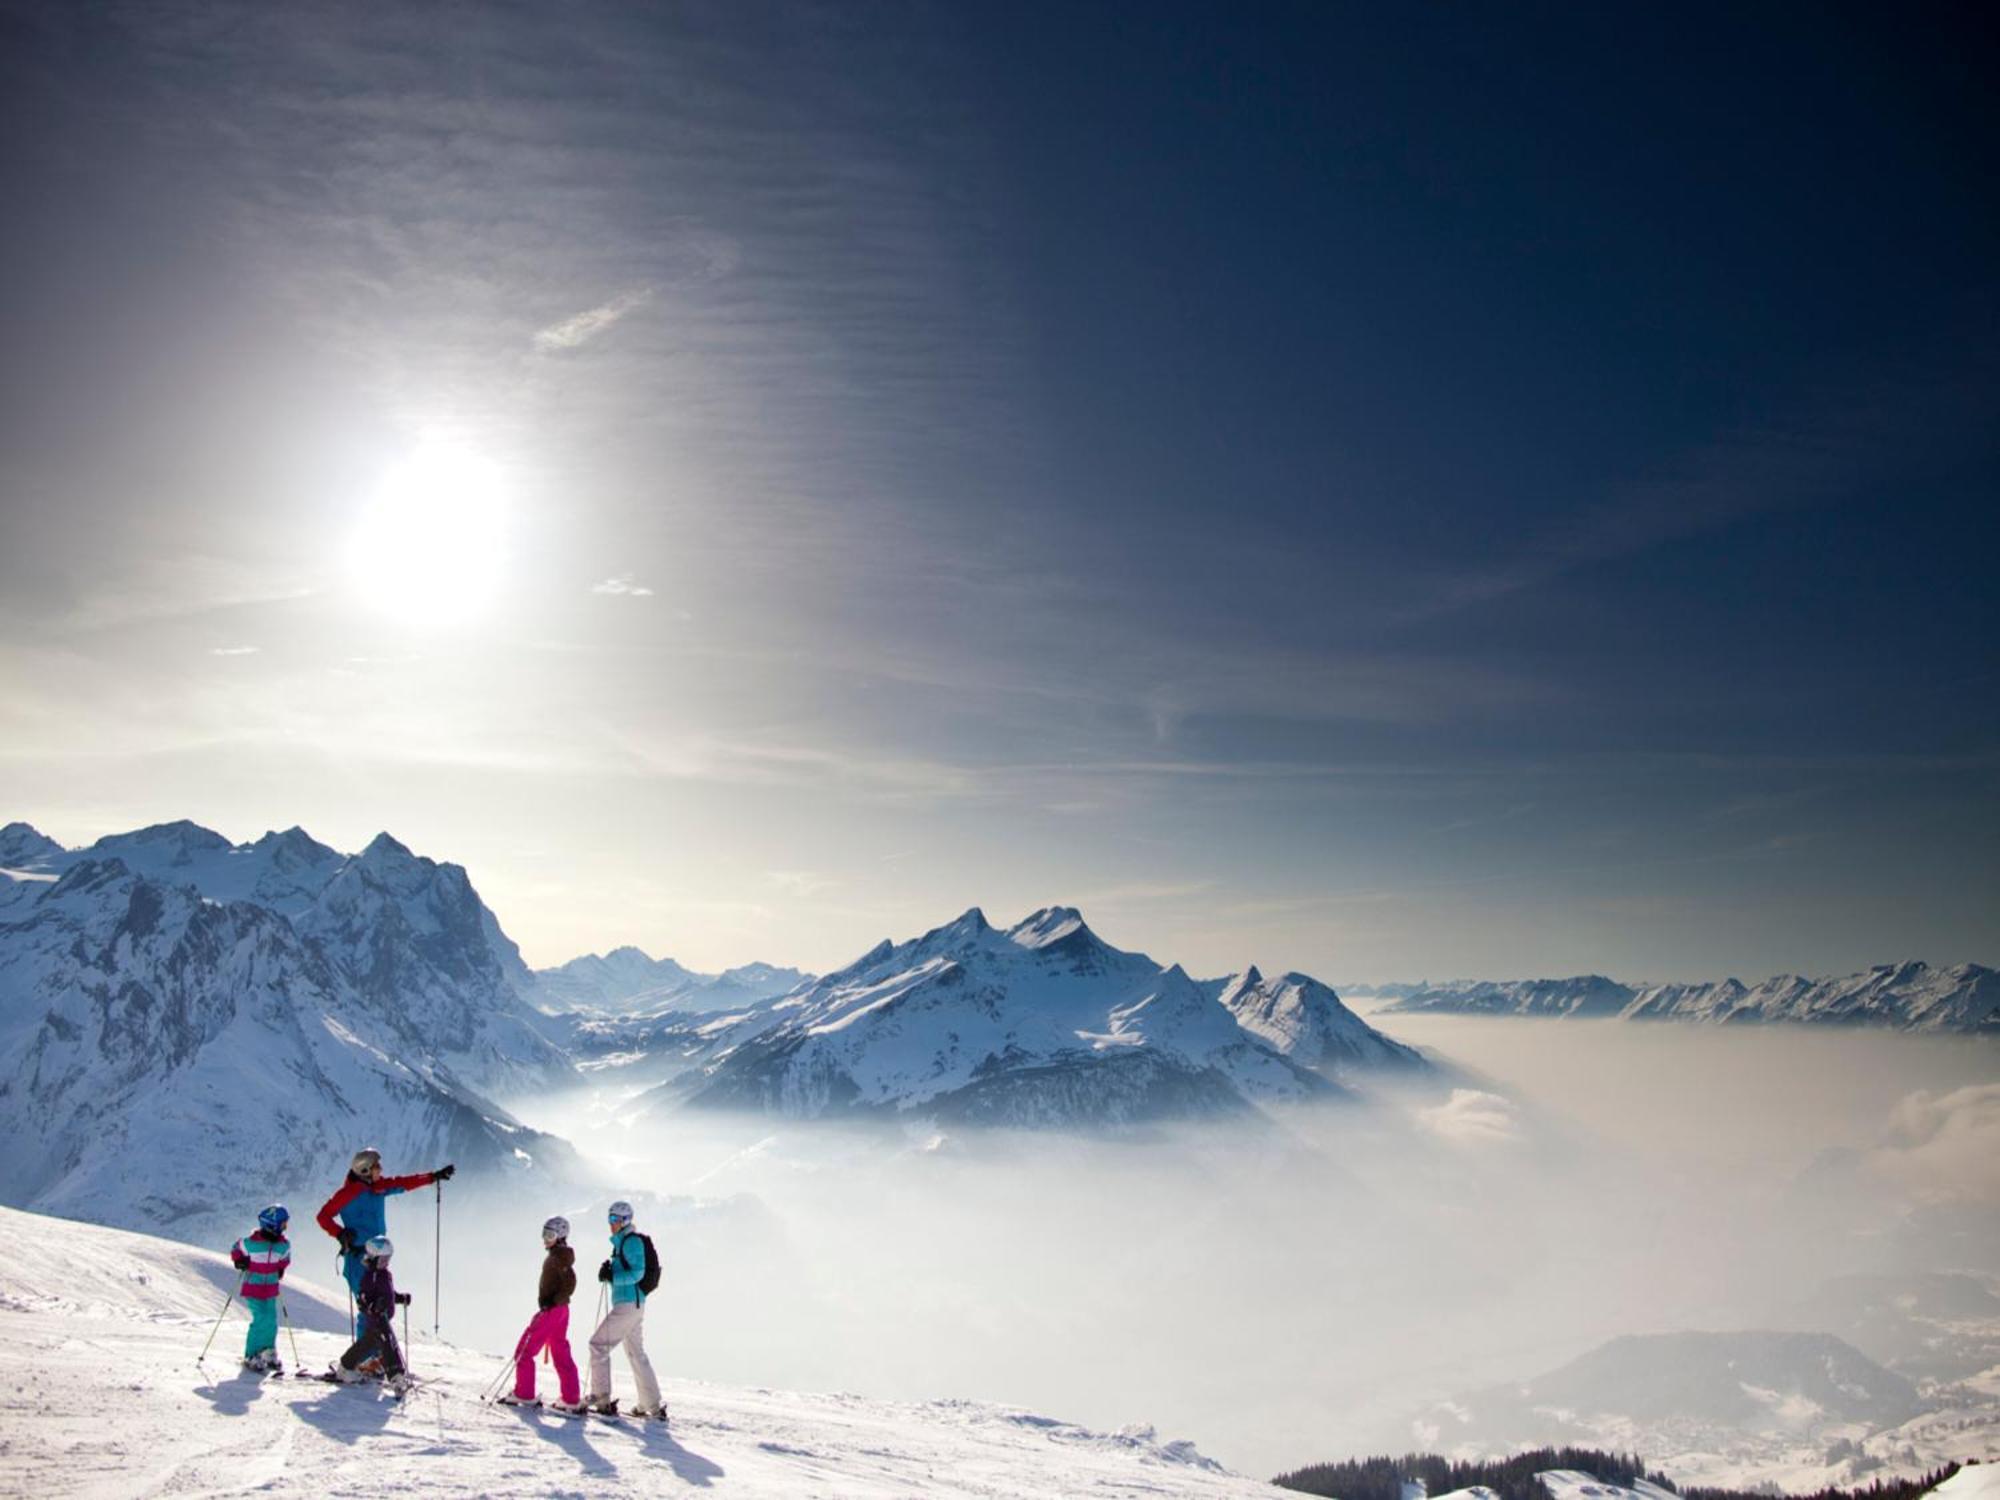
624	1324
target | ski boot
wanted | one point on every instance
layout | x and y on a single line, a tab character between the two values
651	1413
568	1408
510	1399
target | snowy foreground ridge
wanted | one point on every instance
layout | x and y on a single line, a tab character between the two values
100	1396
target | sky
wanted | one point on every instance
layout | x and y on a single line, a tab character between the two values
1393	492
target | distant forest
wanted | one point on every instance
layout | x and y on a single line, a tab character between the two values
1513	1478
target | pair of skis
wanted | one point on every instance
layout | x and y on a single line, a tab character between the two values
609	1412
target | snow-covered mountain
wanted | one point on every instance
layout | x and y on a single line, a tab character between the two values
226	1023
1305	1020
1906	997
626	981
1041	1024
103	1327
1736	1398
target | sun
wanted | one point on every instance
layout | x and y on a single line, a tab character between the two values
430	546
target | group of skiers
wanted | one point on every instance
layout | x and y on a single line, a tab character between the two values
356	1216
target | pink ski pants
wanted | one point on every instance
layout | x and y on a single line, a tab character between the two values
550	1331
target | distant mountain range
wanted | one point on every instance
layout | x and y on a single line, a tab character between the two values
1665	1393
627	981
1043	1023
1903	997
186	1023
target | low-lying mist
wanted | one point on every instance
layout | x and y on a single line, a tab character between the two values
1288	1292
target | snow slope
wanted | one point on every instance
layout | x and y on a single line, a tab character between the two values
1905	997
100	1395
1041	1024
1974	1482
1575	1484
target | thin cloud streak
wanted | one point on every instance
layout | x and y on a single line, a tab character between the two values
574	332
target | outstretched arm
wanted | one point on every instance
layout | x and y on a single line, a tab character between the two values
414	1180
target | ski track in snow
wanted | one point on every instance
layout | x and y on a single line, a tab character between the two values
100	1395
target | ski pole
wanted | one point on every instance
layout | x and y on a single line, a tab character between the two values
284	1313
406	1336
437	1260
218	1324
493	1385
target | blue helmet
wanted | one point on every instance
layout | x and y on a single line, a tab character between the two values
274	1218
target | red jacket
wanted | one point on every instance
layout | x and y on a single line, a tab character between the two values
365	1224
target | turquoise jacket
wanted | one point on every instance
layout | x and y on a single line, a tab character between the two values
628	1264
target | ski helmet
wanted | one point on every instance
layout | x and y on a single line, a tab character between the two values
274	1218
620	1212
378	1248
365	1158
556	1228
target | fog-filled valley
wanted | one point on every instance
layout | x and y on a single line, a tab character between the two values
1312	1284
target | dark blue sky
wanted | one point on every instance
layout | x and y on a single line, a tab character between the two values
1390	490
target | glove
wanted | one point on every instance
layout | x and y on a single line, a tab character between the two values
604	1271
444	1173
238	1259
348	1243
402	1299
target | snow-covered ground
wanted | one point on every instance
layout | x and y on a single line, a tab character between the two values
100	1394
1975	1482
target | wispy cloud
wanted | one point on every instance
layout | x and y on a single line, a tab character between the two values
624	584
1473	1117
233	650
574	332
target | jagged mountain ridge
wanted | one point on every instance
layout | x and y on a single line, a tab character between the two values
1041	1024
1912	996
167	1048
163	1057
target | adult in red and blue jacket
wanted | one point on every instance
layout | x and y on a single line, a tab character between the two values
359	1211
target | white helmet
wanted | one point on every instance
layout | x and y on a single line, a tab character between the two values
556	1228
367	1156
620	1212
378	1248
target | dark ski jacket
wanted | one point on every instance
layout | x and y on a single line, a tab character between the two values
377	1297
558	1276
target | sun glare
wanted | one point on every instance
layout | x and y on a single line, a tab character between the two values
430	546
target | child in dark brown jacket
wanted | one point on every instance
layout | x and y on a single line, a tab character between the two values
550	1328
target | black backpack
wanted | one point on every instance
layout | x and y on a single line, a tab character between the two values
650	1282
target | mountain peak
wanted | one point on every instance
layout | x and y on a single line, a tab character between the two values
386	846
1048	926
22	844
182	834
